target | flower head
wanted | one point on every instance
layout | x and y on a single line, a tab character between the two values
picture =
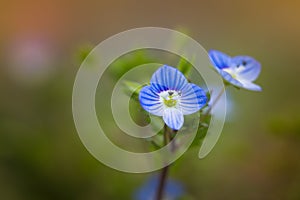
171	96
239	71
173	190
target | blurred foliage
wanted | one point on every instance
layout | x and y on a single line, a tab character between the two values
132	89
82	52
286	123
126	62
184	66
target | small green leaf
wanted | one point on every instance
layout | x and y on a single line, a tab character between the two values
83	52
132	89
202	131
184	66
208	97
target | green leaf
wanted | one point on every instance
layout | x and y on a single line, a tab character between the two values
82	52
128	61
132	89
202	131
184	66
208	97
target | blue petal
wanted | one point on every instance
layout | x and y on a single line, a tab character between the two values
250	86
193	99
218	59
173	117
252	67
173	189
168	78
149	100
230	79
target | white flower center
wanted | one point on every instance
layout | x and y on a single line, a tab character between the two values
170	98
234	72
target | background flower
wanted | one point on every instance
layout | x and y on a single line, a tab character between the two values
173	190
239	71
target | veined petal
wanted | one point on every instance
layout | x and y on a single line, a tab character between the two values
250	86
149	100
230	79
173	117
250	68
168	78
193	99
218	59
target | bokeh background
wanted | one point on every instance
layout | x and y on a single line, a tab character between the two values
41	46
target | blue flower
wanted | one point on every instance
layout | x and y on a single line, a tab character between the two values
173	190
239	71
171	96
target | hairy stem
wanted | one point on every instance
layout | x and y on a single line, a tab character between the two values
162	183
164	171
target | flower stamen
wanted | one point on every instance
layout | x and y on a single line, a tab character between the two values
169	98
170	102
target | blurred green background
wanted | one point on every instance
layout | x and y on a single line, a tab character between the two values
42	44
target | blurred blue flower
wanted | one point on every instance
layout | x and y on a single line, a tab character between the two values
173	190
171	96
240	71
